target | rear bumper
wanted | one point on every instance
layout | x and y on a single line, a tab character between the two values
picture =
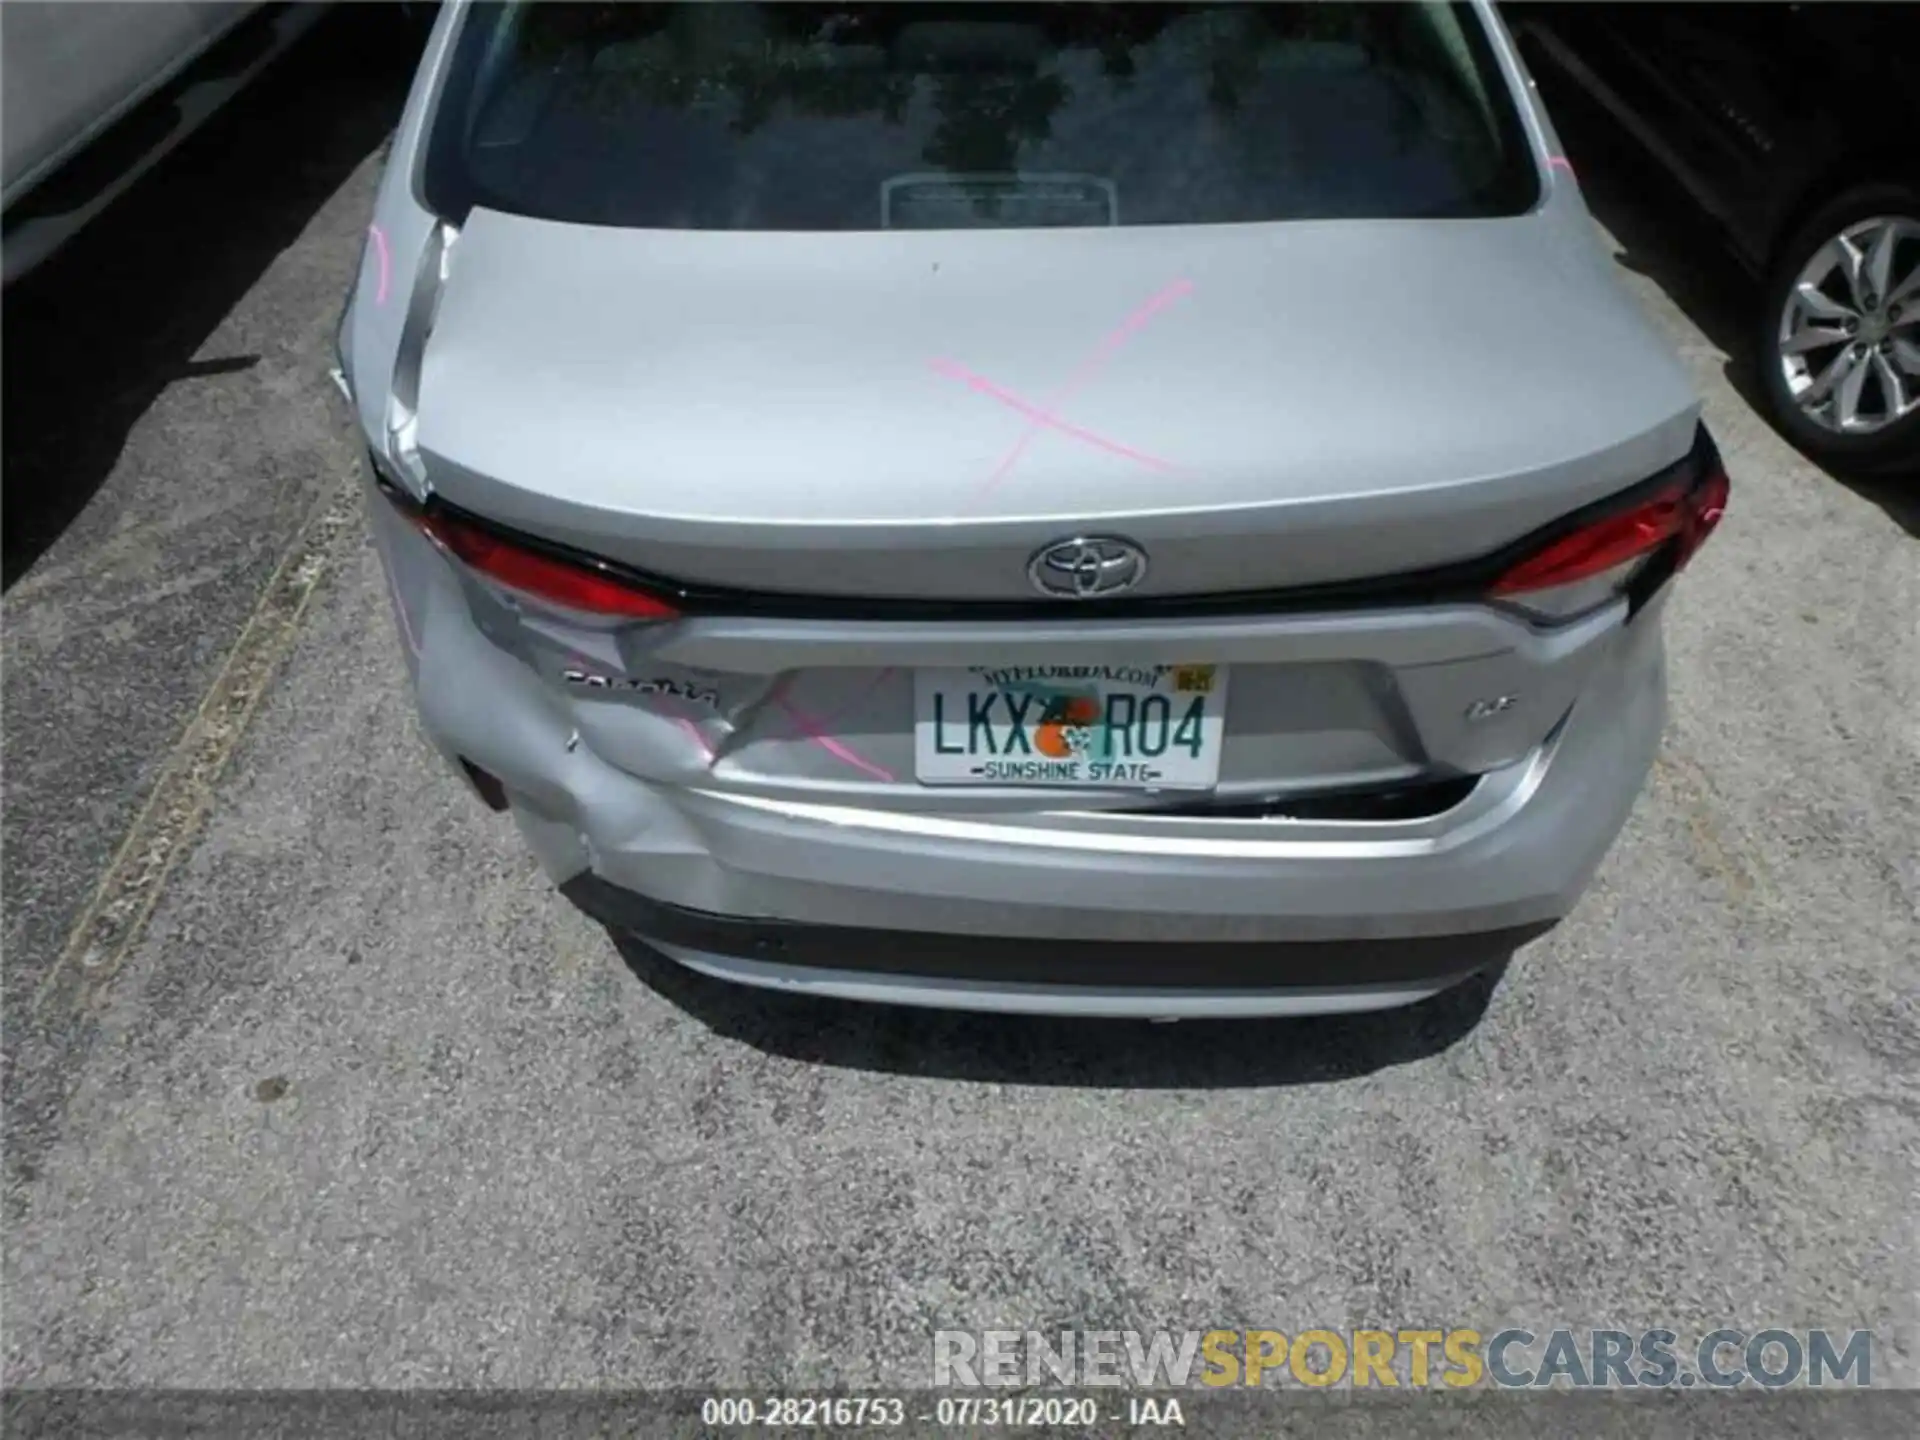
1074	912
1026	962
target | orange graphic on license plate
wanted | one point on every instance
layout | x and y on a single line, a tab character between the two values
1062	714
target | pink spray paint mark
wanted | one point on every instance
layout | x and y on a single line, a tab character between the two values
1086	370
956	371
693	730
818	730
688	727
859	700
817	733
384	260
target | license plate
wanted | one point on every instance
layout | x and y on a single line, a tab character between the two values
1126	727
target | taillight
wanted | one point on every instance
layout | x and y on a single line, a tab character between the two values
1598	548
574	585
1706	503
1583	569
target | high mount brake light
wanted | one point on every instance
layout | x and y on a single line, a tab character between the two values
570	584
1613	548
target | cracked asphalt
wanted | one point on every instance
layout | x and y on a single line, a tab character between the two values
345	1095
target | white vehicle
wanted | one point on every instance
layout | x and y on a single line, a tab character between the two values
95	94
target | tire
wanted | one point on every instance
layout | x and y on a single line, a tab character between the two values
1892	448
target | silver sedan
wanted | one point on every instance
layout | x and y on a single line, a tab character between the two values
1153	509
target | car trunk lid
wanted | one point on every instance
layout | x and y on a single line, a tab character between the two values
912	415
806	424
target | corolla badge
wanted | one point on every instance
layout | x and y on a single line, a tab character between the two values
1087	567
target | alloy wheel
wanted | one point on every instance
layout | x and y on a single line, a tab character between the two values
1849	334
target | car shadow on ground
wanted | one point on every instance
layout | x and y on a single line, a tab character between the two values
118	314
1045	1050
1665	236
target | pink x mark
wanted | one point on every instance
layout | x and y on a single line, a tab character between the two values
1046	416
821	731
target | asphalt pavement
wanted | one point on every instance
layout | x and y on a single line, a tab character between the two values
313	1080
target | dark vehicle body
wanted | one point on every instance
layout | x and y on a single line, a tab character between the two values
1784	122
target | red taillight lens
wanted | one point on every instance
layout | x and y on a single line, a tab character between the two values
1599	547
1684	514
559	582
1706	503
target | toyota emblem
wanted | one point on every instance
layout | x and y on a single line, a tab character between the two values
1087	567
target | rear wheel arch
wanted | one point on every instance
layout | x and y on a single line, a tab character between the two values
1837	174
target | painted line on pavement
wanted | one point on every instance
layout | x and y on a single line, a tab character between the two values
117	914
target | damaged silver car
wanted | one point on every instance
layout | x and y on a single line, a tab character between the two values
1109	509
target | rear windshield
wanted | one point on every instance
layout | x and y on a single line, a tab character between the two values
714	116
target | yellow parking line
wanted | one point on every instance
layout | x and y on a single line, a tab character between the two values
1738	865
117	914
